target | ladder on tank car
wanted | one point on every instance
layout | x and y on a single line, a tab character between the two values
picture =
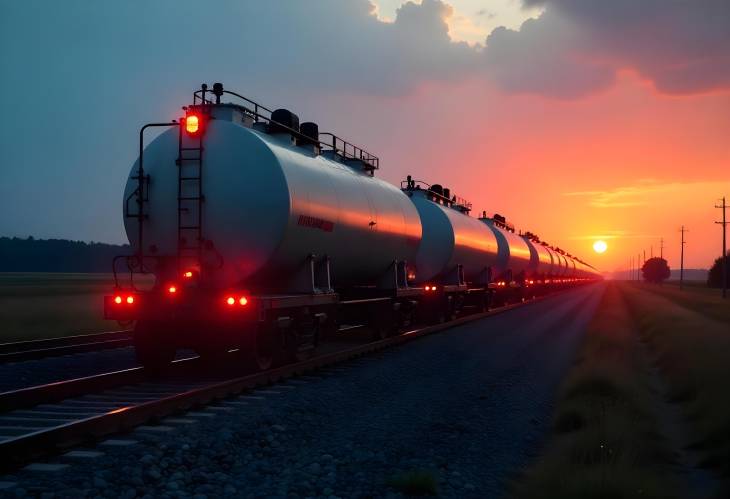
189	202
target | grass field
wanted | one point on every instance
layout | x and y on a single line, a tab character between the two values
604	441
691	341
697	297
40	305
652	354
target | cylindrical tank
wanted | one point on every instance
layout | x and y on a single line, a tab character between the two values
269	204
559	264
514	253
451	238
571	267
554	265
541	261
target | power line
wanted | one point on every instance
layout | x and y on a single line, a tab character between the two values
681	259
723	206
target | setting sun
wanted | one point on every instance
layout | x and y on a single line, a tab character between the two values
600	246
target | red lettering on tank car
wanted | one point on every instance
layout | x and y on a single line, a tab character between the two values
316	223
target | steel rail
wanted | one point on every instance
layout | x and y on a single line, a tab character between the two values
51	347
22	448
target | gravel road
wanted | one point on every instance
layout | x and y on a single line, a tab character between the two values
470	406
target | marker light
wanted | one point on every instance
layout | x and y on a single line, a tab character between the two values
172	289
192	124
243	300
130	299
231	300
118	300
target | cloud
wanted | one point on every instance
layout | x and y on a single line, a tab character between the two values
640	194
545	57
682	47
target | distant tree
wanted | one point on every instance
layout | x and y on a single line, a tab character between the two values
714	276
56	255
655	270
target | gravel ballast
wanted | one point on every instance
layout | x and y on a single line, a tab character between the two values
468	407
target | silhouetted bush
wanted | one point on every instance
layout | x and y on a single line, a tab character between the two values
56	255
655	270
714	276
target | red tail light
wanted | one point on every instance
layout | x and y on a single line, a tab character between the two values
231	300
243	300
129	299
188	274
172	289
192	124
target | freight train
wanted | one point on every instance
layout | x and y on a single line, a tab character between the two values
263	235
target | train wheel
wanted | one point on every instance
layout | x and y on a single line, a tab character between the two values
264	347
381	323
152	346
380	331
302	339
483	303
438	315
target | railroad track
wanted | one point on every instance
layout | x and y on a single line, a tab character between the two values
42	420
38	349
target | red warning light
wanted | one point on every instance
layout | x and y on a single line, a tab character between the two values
130	299
243	300
172	290
118	300
231	300
192	124
188	274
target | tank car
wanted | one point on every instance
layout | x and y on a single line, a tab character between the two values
263	235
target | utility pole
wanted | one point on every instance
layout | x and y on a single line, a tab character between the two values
638	267
661	248
651	255
630	272
631	269
681	259
723	206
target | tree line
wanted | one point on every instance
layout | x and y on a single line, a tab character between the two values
56	255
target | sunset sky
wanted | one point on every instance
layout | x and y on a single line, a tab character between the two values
577	119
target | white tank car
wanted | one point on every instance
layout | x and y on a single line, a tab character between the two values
451	238
270	203
541	262
514	253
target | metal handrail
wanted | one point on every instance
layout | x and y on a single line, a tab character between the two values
336	144
452	201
